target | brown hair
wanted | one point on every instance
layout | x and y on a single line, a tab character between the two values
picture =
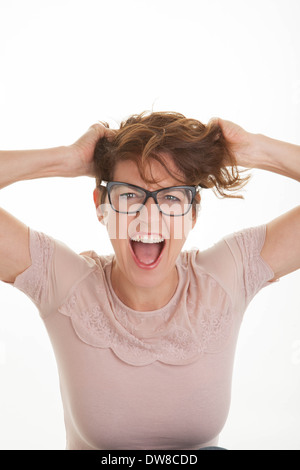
200	152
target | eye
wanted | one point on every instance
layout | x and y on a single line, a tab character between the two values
171	197
127	196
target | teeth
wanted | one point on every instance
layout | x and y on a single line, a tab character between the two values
147	238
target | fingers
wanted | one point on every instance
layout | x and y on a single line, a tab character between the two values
214	120
102	131
110	134
97	128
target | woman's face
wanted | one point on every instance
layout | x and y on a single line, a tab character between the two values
146	244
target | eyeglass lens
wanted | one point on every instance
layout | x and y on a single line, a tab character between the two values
128	199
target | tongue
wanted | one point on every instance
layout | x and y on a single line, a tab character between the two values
146	253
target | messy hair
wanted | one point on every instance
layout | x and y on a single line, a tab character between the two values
200	152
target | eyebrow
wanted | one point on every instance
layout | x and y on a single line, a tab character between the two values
174	185
151	190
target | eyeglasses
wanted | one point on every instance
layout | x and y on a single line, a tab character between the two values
127	198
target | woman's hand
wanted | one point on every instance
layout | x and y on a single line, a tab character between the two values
82	150
260	151
241	142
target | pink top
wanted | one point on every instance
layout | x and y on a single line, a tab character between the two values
145	380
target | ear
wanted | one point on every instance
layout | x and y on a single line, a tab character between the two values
97	196
194	221
195	209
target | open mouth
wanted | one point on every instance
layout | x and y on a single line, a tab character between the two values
147	249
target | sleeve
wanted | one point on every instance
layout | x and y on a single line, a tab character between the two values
54	270
252	272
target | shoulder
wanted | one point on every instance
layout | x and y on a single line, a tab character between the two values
235	263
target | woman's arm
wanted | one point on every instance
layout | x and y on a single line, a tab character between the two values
262	152
19	165
276	156
69	161
281	249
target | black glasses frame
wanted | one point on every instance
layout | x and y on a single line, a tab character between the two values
149	194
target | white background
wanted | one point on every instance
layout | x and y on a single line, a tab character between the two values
66	64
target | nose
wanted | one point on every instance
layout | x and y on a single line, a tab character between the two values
149	216
150	207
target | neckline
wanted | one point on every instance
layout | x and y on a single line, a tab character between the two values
148	313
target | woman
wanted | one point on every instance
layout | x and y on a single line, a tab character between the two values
145	338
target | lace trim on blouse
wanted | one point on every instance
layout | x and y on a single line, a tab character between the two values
256	270
34	285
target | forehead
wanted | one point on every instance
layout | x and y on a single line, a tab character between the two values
127	171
